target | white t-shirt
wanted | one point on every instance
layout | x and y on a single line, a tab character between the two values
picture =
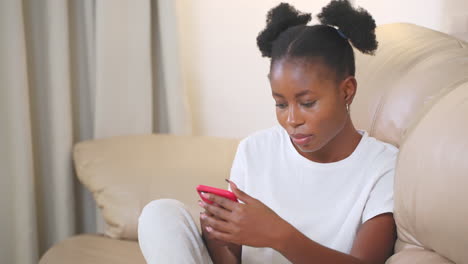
327	202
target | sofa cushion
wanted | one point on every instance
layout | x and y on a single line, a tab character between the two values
125	173
431	179
93	249
413	68
410	254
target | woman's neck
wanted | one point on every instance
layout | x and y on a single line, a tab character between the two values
339	148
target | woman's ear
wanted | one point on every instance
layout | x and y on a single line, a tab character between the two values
348	88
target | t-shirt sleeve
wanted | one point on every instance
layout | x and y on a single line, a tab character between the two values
380	199
238	167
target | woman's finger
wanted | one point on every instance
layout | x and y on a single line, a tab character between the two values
206	212
217	224
219	200
219	235
240	194
216	211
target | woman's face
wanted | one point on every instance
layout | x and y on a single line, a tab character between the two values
310	103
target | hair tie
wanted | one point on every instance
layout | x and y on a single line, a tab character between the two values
342	34
339	32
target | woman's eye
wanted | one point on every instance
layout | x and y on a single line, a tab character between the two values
309	104
281	106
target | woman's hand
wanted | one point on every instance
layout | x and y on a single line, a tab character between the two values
220	251
252	223
207	236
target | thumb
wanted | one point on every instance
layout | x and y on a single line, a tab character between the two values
240	194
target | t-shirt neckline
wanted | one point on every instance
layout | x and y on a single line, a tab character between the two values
350	159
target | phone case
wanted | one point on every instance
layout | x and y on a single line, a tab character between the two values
220	192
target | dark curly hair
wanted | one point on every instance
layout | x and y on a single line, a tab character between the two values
287	35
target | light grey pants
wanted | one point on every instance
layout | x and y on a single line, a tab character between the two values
167	234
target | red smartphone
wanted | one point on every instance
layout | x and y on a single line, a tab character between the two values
220	192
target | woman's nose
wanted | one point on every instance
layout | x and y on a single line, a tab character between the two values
294	117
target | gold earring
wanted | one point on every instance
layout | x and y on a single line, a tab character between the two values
347	107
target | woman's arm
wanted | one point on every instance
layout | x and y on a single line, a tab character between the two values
254	224
220	251
373	244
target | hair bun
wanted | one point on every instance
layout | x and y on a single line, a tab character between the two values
278	20
357	24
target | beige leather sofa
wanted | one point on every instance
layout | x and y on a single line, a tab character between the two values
413	94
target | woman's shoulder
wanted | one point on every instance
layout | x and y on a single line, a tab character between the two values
383	146
379	151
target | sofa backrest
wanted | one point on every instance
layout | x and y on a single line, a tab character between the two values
414	94
413	68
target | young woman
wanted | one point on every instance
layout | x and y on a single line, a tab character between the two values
312	189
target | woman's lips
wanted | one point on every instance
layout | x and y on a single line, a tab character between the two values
301	139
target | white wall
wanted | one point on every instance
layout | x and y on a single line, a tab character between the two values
449	16
222	68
